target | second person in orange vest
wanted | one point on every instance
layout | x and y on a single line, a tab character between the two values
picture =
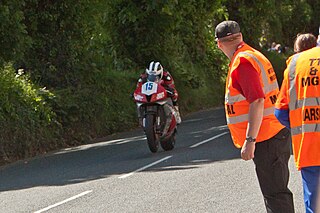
298	107
251	92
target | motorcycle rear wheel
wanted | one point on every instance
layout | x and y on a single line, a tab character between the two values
149	129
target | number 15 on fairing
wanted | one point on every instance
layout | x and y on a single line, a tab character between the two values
149	88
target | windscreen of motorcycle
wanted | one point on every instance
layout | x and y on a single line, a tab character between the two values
153	78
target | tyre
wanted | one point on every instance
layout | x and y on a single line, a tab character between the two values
169	144
149	129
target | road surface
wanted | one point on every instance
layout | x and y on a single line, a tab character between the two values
203	173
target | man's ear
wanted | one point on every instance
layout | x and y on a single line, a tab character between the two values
218	43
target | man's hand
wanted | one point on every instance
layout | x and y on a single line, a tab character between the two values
247	151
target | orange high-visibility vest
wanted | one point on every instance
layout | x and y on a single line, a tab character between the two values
302	81
236	105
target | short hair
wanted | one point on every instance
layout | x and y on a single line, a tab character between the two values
304	42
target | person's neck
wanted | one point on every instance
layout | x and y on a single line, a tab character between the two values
234	50
231	53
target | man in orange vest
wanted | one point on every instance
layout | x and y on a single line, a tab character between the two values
298	107
251	92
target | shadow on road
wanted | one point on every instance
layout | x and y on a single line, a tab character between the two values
118	156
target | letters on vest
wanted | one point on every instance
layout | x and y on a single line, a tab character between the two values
309	105
272	74
230	109
273	98
313	79
311	114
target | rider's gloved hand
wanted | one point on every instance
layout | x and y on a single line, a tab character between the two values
170	91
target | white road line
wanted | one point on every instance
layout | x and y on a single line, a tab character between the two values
64	201
210	139
145	167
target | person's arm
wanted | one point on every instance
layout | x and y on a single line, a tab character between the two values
281	107
168	80
255	117
254	122
247	80
283	117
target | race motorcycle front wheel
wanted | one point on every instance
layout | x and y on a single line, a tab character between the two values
150	131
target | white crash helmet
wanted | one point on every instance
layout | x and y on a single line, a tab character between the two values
155	68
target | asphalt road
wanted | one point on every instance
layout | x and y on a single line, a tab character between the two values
203	173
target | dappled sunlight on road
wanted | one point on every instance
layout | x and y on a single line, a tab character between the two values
211	129
101	144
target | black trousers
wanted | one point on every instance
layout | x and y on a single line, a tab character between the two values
271	160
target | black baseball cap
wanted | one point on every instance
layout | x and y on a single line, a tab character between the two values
226	28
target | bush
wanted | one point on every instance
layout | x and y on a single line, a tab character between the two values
28	124
97	109
278	61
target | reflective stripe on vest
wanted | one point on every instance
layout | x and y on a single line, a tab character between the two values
292	84
244	117
305	128
305	102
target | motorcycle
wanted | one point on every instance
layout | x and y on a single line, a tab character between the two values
156	114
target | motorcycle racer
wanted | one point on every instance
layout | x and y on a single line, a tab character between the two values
155	68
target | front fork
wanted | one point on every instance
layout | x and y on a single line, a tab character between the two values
142	110
163	116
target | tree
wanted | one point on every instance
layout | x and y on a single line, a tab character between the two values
14	39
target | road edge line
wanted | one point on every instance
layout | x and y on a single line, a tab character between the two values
210	139
145	167
64	201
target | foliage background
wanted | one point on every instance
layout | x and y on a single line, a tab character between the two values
81	59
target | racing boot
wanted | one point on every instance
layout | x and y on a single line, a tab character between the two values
178	117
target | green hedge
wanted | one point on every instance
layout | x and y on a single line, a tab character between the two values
28	124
